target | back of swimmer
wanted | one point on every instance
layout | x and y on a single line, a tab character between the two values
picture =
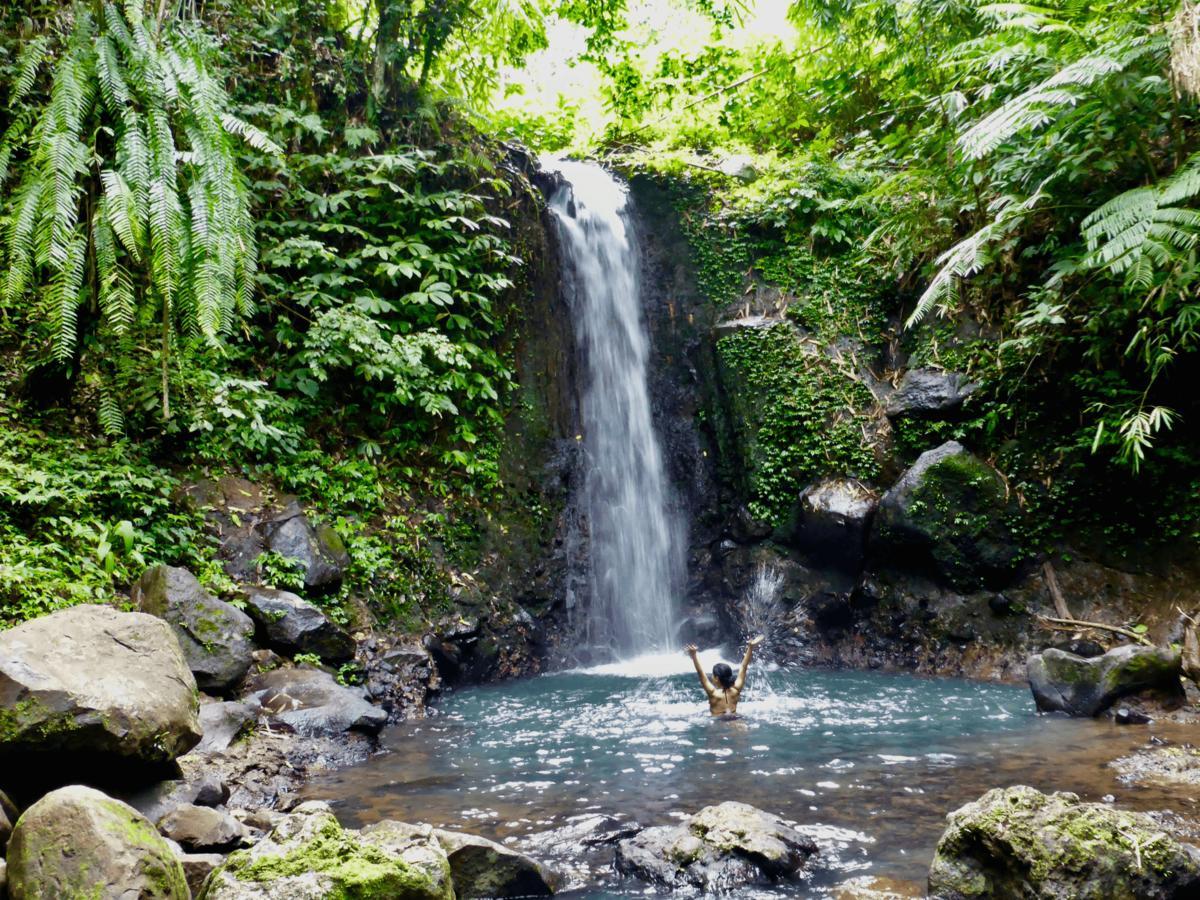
724	689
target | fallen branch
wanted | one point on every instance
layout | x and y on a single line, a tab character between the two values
1056	594
1101	626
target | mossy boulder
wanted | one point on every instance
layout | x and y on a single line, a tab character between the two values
719	849
950	512
216	637
483	868
1020	843
79	844
309	856
316	549
1078	686
109	689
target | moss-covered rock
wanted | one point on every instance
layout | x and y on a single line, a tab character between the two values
954	509
309	856
79	844
1064	682
1018	842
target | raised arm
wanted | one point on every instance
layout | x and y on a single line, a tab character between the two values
708	686
741	678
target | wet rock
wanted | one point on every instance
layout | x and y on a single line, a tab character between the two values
717	850
1172	766
401	678
200	829
929	393
197	867
1063	682
1126	716
317	549
103	686
311	702
292	625
309	856
870	887
831	520
483	868
215	636
948	511
1019	842
225	722
8	818
78	842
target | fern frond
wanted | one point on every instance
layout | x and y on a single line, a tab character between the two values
29	63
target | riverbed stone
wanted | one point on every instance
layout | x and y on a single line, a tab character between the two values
1079	686
200	829
102	685
1019	842
78	842
718	849
929	393
949	512
483	868
291	624
312	703
216	637
309	856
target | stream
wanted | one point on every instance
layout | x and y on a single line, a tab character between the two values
867	763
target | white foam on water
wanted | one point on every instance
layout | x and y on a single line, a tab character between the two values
659	665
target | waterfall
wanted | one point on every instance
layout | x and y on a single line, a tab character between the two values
635	555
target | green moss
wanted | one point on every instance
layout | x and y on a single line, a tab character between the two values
29	720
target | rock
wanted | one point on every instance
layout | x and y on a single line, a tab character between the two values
223	723
78	842
401	678
1019	842
831	520
929	392
718	849
740	167
873	887
1063	682
949	509
318	550
8	818
101	685
200	828
732	326
309	856
1170	766
197	867
483	868
1081	647
215	636
310	702
293	625
3	879
1124	716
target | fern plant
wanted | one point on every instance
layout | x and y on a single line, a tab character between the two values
130	214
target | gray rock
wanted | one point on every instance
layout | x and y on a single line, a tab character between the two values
831	520
1018	842
216	637
8	818
293	625
929	392
405	863
311	702
200	829
717	850
483	868
1079	686
157	800
224	722
102	684
78	842
318	550
197	867
949	512
733	326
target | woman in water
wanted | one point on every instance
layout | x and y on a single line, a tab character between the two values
724	693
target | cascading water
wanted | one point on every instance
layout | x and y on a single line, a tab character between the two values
635	556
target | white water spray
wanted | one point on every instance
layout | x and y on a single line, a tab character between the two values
635	546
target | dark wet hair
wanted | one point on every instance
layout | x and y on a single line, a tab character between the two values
723	675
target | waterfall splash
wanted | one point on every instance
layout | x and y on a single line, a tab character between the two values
761	612
634	539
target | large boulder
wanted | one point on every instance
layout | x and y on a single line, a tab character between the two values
200	829
717	850
830	521
309	856
101	685
78	842
216	637
1079	686
1019	842
291	625
950	512
483	868
316	549
311	702
929	392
